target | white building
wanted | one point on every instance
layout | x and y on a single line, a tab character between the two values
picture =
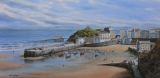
91	40
144	46
80	41
101	37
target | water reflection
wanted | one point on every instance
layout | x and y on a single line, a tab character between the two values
73	55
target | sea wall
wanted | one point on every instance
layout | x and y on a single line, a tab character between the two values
134	70
106	43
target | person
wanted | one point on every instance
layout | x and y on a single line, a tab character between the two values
13	52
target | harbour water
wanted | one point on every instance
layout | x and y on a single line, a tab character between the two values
18	39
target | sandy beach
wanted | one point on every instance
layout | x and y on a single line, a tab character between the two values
88	71
114	48
92	69
4	56
4	65
85	72
9	65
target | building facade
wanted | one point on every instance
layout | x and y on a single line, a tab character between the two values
112	34
80	41
144	46
144	34
123	34
137	33
130	34
154	33
104	36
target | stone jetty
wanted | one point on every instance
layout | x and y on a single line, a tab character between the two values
42	51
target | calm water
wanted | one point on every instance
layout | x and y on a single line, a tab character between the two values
13	39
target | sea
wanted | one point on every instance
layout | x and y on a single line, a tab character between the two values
21	39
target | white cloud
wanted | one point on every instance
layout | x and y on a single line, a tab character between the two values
81	12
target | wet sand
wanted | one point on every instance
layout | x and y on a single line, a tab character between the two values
34	58
9	65
4	56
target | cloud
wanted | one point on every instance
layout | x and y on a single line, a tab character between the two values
66	13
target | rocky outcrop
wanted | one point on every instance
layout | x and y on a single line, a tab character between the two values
87	32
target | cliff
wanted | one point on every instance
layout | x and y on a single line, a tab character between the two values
149	63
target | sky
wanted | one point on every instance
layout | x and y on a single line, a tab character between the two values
23	14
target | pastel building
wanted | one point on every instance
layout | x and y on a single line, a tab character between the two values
137	33
144	34
154	33
112	34
123	34
130	34
126	36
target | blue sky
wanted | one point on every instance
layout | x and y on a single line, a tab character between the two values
22	14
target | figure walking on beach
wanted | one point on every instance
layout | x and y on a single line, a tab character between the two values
13	52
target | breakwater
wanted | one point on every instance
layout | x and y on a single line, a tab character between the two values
49	50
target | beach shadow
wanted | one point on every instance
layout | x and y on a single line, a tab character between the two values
124	74
121	65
